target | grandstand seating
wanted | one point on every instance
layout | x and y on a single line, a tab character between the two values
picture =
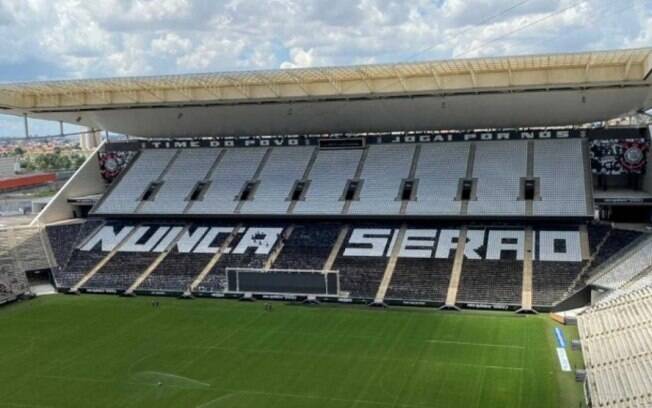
160	182
420	279
554	161
491	282
189	167
121	271
384	169
439	171
236	167
125	196
499	167
307	247
215	280
616	344
62	239
176	272
12	280
551	280
283	168
77	263
328	176
635	263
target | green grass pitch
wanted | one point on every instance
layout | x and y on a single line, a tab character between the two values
106	351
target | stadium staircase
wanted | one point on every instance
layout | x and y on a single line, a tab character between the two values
456	272
526	297
278	248
389	269
152	267
330	261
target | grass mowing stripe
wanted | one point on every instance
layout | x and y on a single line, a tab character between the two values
109	351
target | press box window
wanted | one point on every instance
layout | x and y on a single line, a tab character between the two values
247	191
529	188
408	188
299	190
467	189
197	193
151	191
351	190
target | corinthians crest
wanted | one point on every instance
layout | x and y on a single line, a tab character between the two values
615	157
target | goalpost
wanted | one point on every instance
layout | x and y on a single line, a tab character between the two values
295	282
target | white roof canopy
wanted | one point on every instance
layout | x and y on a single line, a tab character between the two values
98	102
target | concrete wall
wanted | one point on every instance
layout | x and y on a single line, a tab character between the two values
87	180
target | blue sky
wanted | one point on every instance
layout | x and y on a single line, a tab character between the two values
54	39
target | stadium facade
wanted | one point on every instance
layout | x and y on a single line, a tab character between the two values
471	183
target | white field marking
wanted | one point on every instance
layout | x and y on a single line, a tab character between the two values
106	381
181	379
462	343
224	397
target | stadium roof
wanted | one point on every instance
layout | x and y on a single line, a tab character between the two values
458	93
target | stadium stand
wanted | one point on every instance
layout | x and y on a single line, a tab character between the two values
491	270
551	280
498	168
392	179
360	276
384	168
616	344
215	280
491	281
178	269
637	261
420	280
308	246
439	170
560	160
126	195
189	167
234	170
61	243
284	167
328	176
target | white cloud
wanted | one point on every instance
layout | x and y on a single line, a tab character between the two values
44	39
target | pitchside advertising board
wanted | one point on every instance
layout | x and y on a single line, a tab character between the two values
385	138
481	244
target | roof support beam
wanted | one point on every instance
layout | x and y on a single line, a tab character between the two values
509	74
366	79
628	66
300	83
273	88
435	77
334	83
243	89
474	80
401	79
587	69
